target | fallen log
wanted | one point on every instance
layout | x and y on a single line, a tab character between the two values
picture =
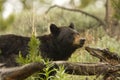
22	72
78	68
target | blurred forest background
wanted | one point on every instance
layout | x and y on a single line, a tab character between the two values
97	20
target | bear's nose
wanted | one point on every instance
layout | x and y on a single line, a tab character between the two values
82	40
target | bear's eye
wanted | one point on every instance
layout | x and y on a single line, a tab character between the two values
71	36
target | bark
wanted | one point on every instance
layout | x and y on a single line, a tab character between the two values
108	15
83	68
20	73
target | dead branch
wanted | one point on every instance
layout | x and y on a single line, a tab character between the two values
77	10
105	55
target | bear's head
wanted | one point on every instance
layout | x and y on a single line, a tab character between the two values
67	36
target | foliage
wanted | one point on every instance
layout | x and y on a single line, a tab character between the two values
107	42
60	73
1	5
29	5
85	3
116	7
5	23
33	55
23	22
47	71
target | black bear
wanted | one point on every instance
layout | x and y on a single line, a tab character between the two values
58	45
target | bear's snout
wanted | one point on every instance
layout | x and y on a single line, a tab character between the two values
82	41
78	42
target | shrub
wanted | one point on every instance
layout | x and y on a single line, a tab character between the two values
34	52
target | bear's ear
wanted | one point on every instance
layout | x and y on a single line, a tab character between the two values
54	29
71	25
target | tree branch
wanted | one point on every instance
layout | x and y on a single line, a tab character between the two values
80	11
